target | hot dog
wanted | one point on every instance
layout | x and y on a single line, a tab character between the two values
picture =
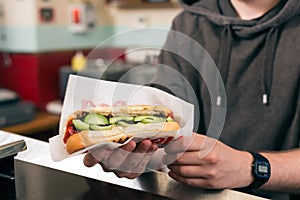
85	128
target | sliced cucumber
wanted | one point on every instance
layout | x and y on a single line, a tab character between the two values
100	128
149	119
114	120
123	123
80	125
95	118
139	118
170	119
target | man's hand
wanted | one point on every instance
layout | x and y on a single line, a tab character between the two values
204	162
128	161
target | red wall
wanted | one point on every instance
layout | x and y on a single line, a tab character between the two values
35	77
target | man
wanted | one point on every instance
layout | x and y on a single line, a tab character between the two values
256	46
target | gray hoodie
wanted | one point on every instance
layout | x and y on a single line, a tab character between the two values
259	62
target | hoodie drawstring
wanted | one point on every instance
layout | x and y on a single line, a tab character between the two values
267	69
224	58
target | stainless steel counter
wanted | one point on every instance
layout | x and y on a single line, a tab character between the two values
38	177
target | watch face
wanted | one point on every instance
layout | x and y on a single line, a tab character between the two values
262	169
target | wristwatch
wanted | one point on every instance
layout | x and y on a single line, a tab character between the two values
261	170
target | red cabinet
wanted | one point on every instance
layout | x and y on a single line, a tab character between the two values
34	76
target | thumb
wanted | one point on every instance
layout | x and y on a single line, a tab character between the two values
89	160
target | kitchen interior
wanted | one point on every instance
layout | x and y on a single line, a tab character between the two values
42	42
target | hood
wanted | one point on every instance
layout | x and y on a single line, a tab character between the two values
244	28
269	24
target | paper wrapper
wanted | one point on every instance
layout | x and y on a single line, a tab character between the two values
86	93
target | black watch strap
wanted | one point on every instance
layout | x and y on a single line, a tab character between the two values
261	170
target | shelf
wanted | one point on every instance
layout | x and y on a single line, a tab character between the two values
42	122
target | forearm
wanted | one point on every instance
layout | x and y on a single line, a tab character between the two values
285	171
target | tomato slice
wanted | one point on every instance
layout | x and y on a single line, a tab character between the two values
70	131
170	114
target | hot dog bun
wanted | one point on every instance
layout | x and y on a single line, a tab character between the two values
84	139
130	110
137	119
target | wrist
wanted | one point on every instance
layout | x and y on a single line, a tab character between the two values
247	174
261	170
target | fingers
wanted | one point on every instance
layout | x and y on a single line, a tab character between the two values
118	156
103	153
137	161
95	156
89	160
196	142
193	171
185	158
129	161
195	182
180	145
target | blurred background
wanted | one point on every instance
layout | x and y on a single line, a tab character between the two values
43	41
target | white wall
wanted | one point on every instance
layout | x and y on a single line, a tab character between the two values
24	31
20	13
